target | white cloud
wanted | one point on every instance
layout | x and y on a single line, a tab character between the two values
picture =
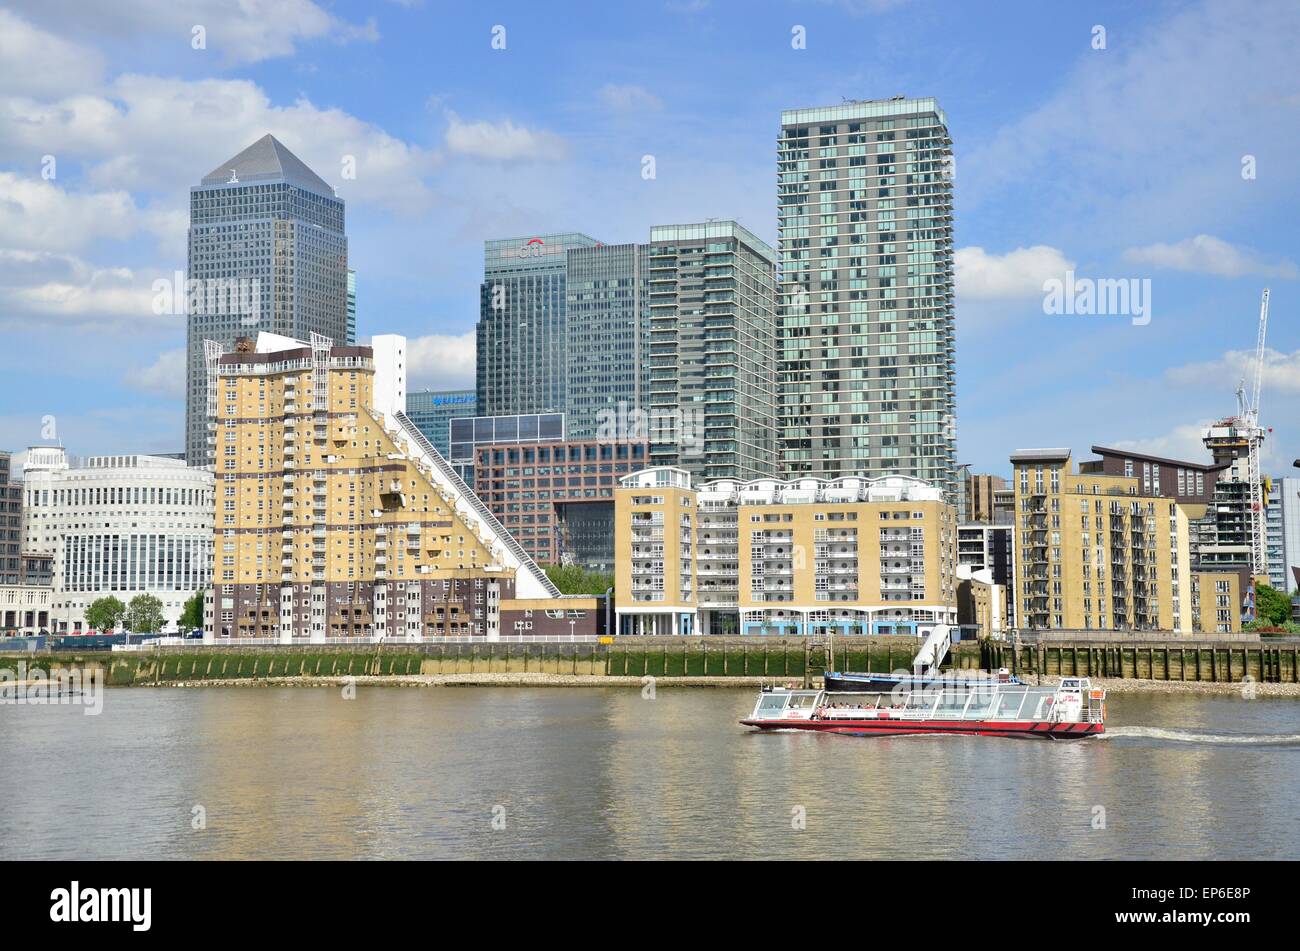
1281	372
1206	254
1016	274
503	141
441	362
37	287
1125	129
153	427
866	7
164	377
629	98
162	135
245	32
36	63
1183	442
41	215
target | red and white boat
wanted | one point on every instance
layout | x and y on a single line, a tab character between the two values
1072	709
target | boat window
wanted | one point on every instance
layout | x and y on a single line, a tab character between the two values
803	701
772	703
951	702
1008	703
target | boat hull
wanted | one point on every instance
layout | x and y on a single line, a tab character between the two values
888	727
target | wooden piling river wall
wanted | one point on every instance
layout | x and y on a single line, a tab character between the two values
780	659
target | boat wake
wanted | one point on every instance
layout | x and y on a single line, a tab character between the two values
1192	736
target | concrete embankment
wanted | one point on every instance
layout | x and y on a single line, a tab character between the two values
484	680
784	660
1183	661
1241	688
1253	690
695	661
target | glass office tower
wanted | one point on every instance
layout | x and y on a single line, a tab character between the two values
267	251
433	410
867	382
521	360
608	331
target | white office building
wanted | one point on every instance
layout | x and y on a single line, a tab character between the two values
1283	528
119	526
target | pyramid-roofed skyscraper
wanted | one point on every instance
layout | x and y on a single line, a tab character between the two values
267	252
268	160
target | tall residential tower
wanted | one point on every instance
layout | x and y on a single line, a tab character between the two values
864	218
712	351
267	252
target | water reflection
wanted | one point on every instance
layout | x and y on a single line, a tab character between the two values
592	773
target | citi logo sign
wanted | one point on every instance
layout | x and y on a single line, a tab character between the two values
102	905
535	248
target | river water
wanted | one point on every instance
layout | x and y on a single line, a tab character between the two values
285	772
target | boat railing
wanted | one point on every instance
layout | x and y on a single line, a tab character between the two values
980	702
984	702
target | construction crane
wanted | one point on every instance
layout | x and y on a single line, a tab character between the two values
1249	414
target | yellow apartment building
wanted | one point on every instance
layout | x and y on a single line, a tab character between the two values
336	518
809	556
1216	602
1092	552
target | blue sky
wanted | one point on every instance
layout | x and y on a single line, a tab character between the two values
1122	162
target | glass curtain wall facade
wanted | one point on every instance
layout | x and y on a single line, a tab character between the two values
433	410
712	350
267	251
352	306
521	360
864	224
467	434
608	331
1284	533
11	524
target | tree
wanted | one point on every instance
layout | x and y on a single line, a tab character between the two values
144	614
1272	607
574	579
1265	629
192	616
104	613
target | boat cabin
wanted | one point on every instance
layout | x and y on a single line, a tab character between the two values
1072	701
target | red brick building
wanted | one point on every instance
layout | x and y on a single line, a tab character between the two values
557	499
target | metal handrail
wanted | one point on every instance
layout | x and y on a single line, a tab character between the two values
392	642
991	710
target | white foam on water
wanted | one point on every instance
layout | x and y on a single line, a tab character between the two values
1191	736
